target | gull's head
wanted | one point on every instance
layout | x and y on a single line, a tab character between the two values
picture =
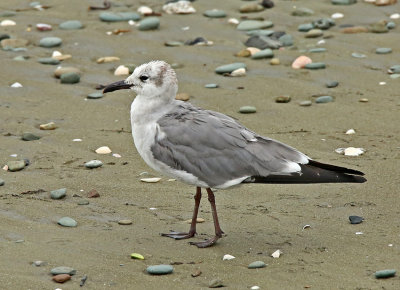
152	79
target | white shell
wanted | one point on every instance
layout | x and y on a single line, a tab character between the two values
116	155
121	70
255	287
77	140
233	21
56	53
151	180
180	7
276	254
8	22
103	150
350	151
240	72
228	257
395	16
337	15
253	50
145	10
16	85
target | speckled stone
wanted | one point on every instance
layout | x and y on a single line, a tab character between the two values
160	269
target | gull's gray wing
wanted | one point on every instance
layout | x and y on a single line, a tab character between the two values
217	149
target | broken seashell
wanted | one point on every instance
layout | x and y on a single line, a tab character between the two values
151	180
103	150
276	254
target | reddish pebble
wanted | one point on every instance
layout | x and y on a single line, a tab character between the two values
43	27
301	62
93	193
61	278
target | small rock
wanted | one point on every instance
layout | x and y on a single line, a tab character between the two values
215	13
173	43
395	69
337	15
50	42
67	222
63	270
121	16
160	269
240	72
323	23
350	151
93	194
358	55
59	56
63	70
305	103
48	60
315	65
7	13
211	86
43	27
61	278
16	85
267	3
324	99
255	287
228	257
198	220
313	33
38	263
302	11
275	61
2	182
93	164
256	264
95	95
379	27
228	68
265	53
332	84
356	219
121	70
384	2
301	62
215	283
137	256
247	110
71	25
251	8
253	25
70	78
30	137
58	193
262	42
286	40
83	202
282	99
343	2
124	222
305	27
13	43
391	25
196	273
276	254
151	180
21	58
16	165
383	50
103	150
107	59
350	132
149	23
354	29
182	97
48	126
385	273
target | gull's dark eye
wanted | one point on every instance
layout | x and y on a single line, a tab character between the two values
143	78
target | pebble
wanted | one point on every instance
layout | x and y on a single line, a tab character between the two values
324	99
16	165
93	164
379	27
350	132
302	11
215	283
211	86
83	202
267	3
4	36
305	27
43	27
7	13
16	85
247	110
160	269
61	278
276	254
7	22
356	219
143	10
282	99
137	256
48	60
10	43
215	13
275	61
301	62
323	23
71	25
182	97
262	42
255	287
256	264
29	136
48	126
313	33
2	182
265	32
38	263
151	179
70	78
173	43
121	71
240	72
50	42
95	95
63	270
93	194
384	2
391	25
67	222
124	222
286	40
58	193
253	25
337	15
332	84
107	59
121	16
358	55
21	58
251	8
305	103
385	273
228	68
343	2
103	150
383	50
63	70
317	50
149	23
198	220
265	53
233	21
395	69
354	29
315	65
228	257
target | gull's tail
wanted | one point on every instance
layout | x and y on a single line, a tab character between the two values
314	172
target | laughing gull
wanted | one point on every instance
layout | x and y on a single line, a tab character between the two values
208	149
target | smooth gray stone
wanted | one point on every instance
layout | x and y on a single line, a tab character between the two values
317	49
265	32
324	99
93	164
394	69
50	42
395	76
67	222
71	25
70	78
247	109
305	27
121	16
262	42
305	103
228	68
253	25
215	283
63	270
390	25
286	40
315	65
358	55
83	202
215	13
385	273
302	11
356	219
29	136
343	2
95	95
383	50
265	53
58	193
149	23
160	269
332	84
2	182
48	60
211	86
16	165
257	264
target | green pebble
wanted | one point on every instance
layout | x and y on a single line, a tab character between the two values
305	27
260	32
67	222
16	165
48	60
324	99
121	16
211	86
93	164
247	109
265	53
315	65
286	40
160	269
63	270
385	273
137	256
317	49
71	25
95	95
29	137
149	23
2	182
50	42
58	193
214	13
256	264
343	2
253	25
70	78
228	68
83	202
383	50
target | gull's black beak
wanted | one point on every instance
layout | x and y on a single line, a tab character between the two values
117	86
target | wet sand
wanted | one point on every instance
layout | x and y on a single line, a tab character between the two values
258	219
